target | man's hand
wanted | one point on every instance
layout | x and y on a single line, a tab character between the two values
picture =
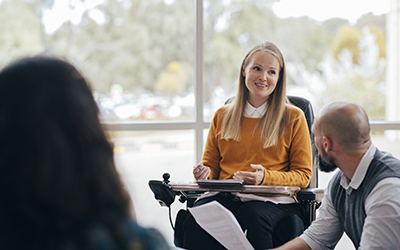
251	178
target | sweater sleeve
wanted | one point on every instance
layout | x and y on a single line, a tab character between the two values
211	154
299	168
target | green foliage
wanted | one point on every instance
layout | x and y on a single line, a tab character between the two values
380	39
362	82
148	45
364	91
21	36
137	42
172	80
347	38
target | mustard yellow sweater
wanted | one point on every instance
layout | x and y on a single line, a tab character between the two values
288	163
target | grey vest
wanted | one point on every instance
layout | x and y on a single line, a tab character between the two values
351	208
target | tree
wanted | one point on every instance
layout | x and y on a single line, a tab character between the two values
138	41
359	82
172	80
347	38
21	36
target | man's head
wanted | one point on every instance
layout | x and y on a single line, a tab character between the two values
340	128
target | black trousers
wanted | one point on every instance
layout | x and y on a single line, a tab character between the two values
259	218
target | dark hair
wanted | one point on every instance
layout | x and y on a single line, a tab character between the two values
57	171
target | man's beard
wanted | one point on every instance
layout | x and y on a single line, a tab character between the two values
326	164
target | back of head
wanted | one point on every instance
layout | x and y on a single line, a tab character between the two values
345	122
56	163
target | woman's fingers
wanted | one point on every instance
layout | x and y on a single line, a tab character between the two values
204	173
251	178
201	172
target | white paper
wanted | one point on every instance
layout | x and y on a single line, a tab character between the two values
220	223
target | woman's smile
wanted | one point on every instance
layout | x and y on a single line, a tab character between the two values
261	76
261	85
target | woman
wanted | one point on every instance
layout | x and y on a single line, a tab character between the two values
59	188
258	138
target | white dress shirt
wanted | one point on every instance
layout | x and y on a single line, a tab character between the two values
382	223
252	112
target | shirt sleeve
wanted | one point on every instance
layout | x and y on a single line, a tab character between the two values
382	225
326	230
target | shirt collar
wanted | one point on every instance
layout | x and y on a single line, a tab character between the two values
252	112
360	172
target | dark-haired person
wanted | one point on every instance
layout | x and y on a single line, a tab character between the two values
59	188
362	199
259	138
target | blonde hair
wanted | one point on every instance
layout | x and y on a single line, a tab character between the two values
274	121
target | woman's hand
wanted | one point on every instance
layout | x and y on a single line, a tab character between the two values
201	172
251	178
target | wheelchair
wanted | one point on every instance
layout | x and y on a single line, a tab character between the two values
309	198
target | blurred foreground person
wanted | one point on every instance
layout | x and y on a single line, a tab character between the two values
362	198
59	188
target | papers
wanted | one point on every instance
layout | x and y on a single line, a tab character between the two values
220	223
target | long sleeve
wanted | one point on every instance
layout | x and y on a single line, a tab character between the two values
211	155
382	224
326	231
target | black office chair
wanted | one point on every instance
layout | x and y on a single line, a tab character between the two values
309	198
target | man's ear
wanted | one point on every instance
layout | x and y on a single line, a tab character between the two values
327	143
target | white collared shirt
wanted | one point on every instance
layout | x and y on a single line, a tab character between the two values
361	171
382	223
252	112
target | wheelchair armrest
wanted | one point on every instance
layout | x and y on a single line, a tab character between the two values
310	198
162	193
165	195
310	194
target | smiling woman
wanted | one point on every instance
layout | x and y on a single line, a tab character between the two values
248	140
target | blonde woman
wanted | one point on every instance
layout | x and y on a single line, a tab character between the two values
259	138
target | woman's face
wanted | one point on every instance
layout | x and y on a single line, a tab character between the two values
261	76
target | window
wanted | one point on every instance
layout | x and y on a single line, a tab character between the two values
160	68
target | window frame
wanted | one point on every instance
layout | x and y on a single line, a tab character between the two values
199	125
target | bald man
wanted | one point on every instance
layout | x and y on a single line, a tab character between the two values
363	198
